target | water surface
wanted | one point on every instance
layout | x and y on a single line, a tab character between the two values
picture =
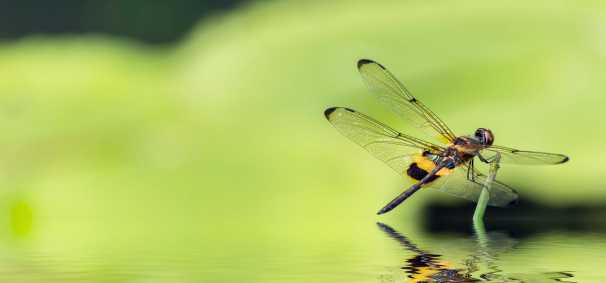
385	252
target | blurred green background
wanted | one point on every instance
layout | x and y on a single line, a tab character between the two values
218	137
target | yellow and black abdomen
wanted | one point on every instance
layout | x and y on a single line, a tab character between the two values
421	166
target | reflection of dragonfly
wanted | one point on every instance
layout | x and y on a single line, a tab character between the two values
425	266
462	260
449	169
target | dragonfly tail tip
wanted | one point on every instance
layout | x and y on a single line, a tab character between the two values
383	210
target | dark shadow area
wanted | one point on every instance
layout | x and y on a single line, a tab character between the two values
151	21
524	219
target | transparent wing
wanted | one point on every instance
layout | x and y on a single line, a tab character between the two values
392	94
457	184
396	150
385	143
514	156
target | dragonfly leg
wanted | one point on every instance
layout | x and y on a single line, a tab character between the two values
485	160
470	175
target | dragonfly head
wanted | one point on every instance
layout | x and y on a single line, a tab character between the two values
484	136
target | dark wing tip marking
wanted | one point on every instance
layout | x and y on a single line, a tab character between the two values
329	111
513	202
366	61
363	62
565	160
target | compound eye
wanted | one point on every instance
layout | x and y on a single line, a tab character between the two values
484	136
488	138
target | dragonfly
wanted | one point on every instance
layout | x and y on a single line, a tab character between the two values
448	168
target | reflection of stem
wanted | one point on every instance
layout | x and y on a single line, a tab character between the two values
485	195
485	254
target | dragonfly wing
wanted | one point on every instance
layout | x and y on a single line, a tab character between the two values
457	184
397	150
394	96
514	156
385	143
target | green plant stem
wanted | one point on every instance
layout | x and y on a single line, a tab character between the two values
485	195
